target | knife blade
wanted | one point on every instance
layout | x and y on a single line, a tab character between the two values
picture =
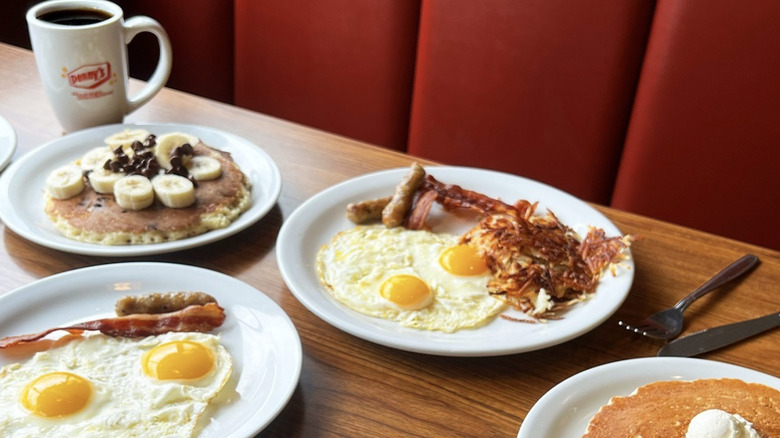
717	337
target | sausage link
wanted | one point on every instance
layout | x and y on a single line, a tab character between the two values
365	211
393	214
160	302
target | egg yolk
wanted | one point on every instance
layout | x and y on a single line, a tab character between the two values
407	292
56	394
178	360
462	260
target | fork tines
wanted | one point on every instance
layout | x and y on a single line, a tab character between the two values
632	329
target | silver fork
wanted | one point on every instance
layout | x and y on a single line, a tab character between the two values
667	324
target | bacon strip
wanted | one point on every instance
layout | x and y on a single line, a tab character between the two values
422	206
453	196
196	318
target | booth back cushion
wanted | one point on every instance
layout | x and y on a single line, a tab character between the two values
201	34
703	147
339	65
539	88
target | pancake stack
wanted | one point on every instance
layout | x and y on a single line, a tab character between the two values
664	409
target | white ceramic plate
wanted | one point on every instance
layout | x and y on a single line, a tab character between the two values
7	142
262	340
22	186
566	410
318	219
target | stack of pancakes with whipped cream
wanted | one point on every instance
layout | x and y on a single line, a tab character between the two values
664	409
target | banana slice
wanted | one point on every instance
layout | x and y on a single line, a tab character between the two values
204	168
166	143
103	181
95	158
134	192
65	182
126	139
174	191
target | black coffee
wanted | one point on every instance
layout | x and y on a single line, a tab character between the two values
75	17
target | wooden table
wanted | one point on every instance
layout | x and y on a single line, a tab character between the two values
351	387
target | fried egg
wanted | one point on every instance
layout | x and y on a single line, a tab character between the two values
418	278
99	386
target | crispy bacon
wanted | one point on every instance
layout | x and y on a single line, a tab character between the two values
453	196
196	318
422	206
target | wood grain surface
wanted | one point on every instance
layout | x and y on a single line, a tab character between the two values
351	387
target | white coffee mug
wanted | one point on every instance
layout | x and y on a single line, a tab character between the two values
80	47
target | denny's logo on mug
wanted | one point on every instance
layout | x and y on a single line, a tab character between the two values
80	47
89	76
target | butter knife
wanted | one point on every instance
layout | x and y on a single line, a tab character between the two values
717	337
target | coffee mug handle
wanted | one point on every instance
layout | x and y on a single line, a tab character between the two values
133	26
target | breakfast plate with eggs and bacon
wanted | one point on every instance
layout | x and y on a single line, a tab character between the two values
138	189
143	349
454	261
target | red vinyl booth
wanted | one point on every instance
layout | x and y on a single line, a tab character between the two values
703	147
541	89
201	34
339	65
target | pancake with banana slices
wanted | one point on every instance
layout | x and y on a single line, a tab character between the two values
142	189
665	409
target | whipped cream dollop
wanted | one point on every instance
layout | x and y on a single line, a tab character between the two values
714	423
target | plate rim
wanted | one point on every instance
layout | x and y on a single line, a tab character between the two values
291	226
7	131
293	364
61	243
684	368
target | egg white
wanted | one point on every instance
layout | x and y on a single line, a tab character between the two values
357	261
126	402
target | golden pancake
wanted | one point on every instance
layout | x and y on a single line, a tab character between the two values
96	218
664	409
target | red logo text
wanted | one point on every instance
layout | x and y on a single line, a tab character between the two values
90	76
